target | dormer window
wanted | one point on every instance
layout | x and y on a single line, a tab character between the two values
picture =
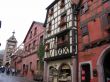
63	20
49	28
51	11
62	5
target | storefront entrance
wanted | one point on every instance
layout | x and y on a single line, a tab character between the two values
106	67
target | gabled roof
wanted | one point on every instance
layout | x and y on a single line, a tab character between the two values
53	3
31	28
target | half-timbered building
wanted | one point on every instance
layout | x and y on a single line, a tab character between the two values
60	42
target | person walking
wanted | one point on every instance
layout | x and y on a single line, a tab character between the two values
13	71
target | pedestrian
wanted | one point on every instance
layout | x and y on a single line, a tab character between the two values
8	71
13	71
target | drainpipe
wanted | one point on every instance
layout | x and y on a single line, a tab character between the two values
74	48
75	9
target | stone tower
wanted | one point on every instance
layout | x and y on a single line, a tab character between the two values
10	47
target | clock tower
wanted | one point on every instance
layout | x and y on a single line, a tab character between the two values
10	47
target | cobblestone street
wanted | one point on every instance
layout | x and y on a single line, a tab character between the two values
9	78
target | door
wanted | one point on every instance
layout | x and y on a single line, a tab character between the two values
106	66
85	73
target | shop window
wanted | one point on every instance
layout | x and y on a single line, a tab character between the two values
62	5
84	30
64	73
84	8
49	28
85	73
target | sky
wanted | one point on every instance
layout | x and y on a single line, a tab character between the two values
18	15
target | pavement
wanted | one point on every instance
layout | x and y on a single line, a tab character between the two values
10	78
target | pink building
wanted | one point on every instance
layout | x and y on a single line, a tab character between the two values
31	42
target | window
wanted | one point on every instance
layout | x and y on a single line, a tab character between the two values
41	39
84	8
63	39
29	47
47	47
30	65
49	28
31	34
34	44
25	48
35	31
84	30
51	11
63	20
38	63
105	21
62	5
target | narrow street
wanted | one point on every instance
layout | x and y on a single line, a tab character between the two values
9	78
